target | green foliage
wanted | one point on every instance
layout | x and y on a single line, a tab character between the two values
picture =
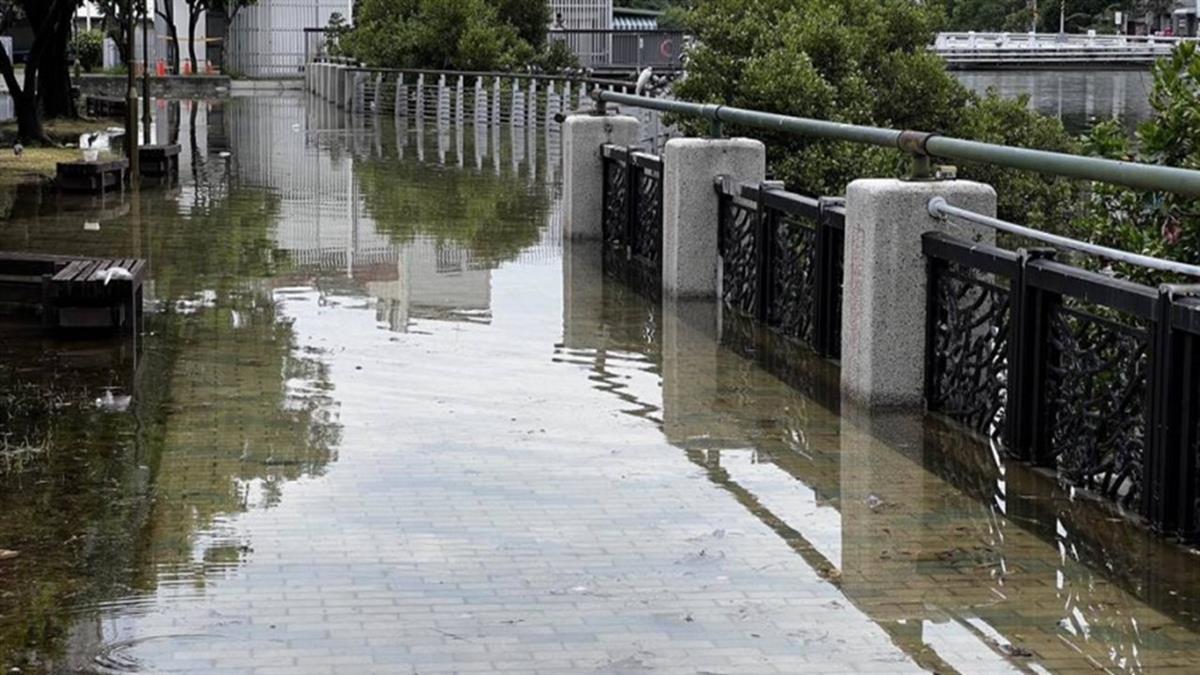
494	218
88	46
860	62
461	35
1158	224
557	57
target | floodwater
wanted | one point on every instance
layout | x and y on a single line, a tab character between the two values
385	420
1079	98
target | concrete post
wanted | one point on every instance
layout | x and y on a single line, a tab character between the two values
690	213
883	306
583	169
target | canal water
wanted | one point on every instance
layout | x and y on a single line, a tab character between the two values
1080	98
384	419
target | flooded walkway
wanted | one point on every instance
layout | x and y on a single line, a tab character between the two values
386	421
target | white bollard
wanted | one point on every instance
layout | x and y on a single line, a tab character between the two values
583	169
884	279
690	208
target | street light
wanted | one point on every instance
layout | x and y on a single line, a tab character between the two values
145	74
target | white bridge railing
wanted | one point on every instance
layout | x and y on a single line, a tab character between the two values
951	42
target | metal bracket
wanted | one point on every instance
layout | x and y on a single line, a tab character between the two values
914	143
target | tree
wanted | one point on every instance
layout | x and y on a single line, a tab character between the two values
229	9
465	34
859	62
166	10
1163	225
46	89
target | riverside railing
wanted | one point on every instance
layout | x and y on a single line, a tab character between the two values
522	99
1094	376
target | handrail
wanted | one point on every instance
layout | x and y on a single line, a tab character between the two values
940	208
488	74
923	145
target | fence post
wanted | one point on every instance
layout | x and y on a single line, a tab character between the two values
1167	448
766	223
885	278
691	208
827	316
1028	357
583	169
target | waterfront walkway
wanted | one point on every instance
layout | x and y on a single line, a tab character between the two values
388	422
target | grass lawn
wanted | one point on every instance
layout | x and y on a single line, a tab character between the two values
39	164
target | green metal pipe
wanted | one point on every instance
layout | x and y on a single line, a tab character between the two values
1129	174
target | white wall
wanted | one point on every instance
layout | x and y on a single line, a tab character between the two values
268	40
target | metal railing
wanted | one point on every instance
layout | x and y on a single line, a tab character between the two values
1095	376
1079	371
522	99
781	258
632	218
968	41
922	146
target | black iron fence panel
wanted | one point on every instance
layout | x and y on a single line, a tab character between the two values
615	221
1097	388
792	288
968	341
1092	375
781	261
646	242
633	216
739	252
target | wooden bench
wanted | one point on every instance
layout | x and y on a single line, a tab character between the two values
80	296
96	177
71	292
159	161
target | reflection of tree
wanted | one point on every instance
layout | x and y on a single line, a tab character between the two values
223	405
246	415
494	217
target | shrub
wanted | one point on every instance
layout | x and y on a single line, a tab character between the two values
1159	224
859	62
88	46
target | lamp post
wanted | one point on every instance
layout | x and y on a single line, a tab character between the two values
145	73
131	100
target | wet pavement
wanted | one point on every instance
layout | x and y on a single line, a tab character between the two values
386	420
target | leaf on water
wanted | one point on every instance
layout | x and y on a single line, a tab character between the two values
6	554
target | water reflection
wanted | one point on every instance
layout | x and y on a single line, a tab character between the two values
385	413
969	565
1079	98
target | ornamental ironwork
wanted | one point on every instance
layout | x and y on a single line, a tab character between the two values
969	351
1096	395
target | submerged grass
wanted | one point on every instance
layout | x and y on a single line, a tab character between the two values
36	165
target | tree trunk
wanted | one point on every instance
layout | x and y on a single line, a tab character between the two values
193	19
54	87
173	35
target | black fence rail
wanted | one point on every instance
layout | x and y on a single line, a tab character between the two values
1092	375
633	214
781	260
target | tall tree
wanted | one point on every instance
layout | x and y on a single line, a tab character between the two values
46	89
166	10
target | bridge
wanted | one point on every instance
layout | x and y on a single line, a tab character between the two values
980	51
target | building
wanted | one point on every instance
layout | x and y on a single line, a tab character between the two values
582	14
268	39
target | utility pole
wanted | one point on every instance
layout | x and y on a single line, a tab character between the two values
1062	16
131	100
145	72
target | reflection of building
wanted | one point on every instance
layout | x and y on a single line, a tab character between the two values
432	281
